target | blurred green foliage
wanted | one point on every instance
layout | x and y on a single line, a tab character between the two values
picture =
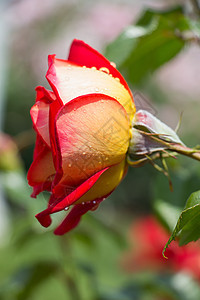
85	264
155	39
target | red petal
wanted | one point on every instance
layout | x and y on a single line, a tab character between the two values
40	113
69	81
40	117
44	95
74	217
39	146
45	221
41	171
84	55
70	199
37	189
54	108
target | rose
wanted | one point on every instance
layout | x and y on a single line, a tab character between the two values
83	131
149	238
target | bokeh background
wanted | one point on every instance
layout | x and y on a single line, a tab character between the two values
156	46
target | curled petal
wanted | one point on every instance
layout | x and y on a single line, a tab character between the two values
44	217
106	184
69	80
40	113
84	55
44	95
91	193
74	217
40	118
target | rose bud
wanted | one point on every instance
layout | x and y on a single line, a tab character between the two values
83	131
88	132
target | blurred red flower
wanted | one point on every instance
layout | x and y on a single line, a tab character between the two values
83	132
148	239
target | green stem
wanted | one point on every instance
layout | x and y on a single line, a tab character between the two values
68	267
192	153
178	148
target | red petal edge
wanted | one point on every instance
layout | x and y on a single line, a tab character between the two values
41	149
44	218
44	95
74	216
84	55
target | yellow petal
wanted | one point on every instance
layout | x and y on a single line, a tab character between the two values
93	133
106	183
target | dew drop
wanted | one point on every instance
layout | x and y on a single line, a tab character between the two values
96	90
66	208
117	79
105	70
83	203
94	202
103	199
113	64
84	153
84	67
93	68
69	165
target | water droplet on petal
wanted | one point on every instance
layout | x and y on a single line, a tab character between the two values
69	165
93	68
103	199
117	79
66	208
105	70
84	67
113	64
84	153
94	202
96	90
83	203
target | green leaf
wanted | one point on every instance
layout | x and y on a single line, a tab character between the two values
188	225
151	42
121	48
